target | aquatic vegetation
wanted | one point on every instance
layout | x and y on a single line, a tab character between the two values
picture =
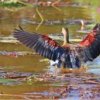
66	86
10	5
22	76
7	81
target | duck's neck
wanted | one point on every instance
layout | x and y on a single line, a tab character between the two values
82	25
66	38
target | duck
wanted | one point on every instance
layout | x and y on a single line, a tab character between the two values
85	26
66	55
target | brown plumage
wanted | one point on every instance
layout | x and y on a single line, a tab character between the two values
66	56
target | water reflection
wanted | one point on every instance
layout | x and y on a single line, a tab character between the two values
22	75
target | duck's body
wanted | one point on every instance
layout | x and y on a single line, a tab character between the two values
68	56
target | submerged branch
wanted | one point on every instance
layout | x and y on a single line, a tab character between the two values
56	8
26	4
56	2
42	19
37	10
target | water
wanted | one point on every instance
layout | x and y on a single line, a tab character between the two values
22	70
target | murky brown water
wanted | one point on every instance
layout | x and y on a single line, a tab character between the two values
22	71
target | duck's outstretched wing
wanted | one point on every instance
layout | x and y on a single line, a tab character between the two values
92	44
94	48
42	44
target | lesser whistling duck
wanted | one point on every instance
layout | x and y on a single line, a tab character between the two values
85	26
64	55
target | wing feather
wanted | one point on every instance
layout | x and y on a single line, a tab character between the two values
42	44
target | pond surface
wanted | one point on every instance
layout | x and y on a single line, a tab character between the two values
23	72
